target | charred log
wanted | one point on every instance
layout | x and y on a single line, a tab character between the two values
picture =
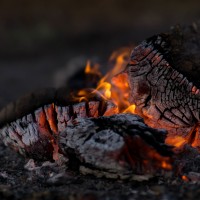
164	80
119	146
31	125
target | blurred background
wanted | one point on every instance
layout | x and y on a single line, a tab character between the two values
38	39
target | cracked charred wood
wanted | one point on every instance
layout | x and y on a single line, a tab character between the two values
163	77
118	146
31	124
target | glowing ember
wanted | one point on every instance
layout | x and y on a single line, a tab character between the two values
166	165
192	138
185	178
176	141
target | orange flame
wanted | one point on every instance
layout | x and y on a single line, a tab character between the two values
105	89
88	67
176	141
92	69
120	92
80	96
113	86
130	109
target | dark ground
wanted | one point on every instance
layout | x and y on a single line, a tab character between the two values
18	183
37	40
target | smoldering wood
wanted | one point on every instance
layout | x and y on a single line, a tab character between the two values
164	80
93	109
119	146
35	134
111	109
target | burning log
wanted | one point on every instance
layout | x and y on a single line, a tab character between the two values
163	77
119	146
31	125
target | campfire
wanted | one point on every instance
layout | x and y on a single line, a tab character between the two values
139	121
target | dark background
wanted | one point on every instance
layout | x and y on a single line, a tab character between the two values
38	38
